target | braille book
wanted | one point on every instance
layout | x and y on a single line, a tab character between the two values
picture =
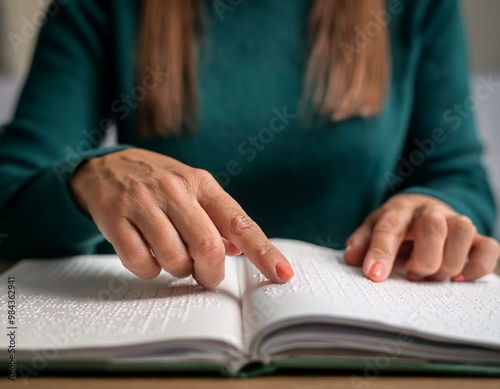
89	313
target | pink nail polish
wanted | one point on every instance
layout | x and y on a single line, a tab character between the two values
376	272
458	278
284	271
413	277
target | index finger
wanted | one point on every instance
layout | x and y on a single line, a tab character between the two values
237	227
388	233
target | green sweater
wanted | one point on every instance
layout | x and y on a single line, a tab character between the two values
310	180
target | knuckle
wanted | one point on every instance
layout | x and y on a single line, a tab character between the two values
379	252
176	257
176	181
434	223
206	183
264	250
203	177
400	202
390	224
209	250
463	225
240	223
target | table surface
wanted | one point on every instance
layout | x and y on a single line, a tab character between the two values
313	381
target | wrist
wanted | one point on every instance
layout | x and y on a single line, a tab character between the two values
77	184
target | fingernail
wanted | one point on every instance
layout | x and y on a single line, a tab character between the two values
376	272
284	270
413	277
348	247
233	249
459	278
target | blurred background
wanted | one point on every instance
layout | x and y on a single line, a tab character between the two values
20	19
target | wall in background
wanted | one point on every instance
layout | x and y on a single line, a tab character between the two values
483	28
18	17
19	23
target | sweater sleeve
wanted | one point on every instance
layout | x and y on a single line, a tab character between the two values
442	155
61	120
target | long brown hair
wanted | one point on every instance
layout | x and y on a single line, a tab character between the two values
347	69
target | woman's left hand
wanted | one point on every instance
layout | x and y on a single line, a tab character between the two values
445	243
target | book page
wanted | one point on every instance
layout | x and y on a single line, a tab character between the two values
94	302
324	286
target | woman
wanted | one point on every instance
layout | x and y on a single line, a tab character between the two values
365	149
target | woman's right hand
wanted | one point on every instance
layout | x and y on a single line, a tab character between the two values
145	203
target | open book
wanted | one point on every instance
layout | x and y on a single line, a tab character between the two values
90	313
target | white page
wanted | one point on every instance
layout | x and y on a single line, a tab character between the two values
324	286
94	302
